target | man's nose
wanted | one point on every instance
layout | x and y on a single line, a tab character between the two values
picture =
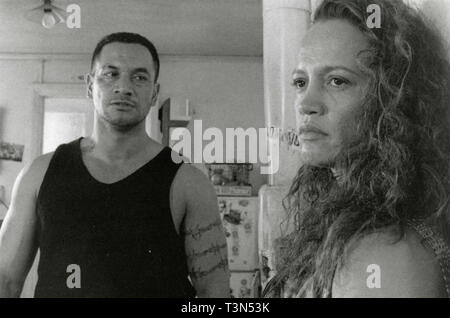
311	102
123	86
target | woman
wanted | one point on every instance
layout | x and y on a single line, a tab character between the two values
371	200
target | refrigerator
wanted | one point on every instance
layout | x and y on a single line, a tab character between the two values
240	221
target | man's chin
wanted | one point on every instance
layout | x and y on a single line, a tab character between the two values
124	123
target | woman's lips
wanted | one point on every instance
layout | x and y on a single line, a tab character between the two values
310	133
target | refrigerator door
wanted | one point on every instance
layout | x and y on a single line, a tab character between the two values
242	285
240	219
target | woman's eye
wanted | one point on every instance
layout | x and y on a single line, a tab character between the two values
299	83
338	82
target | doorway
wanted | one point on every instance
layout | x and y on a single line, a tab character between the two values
65	119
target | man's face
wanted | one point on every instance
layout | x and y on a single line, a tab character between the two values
329	88
122	84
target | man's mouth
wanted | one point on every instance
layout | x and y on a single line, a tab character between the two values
122	103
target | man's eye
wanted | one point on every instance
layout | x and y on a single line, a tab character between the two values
109	74
140	78
298	83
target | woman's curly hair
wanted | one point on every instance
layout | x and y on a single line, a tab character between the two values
399	168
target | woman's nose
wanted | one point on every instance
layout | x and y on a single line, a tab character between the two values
311	102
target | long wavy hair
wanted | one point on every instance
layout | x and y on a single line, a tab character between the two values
399	168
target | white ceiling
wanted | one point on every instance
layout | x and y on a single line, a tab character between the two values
176	27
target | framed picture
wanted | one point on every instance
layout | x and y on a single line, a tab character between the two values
11	151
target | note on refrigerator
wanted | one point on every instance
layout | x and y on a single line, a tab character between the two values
242	285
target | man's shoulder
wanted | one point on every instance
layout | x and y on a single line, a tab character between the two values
193	179
32	174
403	266
38	166
193	187
41	163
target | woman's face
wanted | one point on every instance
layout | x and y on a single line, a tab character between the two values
330	88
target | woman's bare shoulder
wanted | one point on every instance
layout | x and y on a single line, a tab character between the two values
381	265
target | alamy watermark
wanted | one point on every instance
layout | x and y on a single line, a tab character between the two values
374	19
374	279
73	20
74	279
262	146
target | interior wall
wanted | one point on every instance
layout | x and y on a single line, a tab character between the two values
16	104
222	92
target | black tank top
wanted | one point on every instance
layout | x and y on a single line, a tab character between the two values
120	236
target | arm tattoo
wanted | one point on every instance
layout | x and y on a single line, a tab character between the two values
198	273
214	249
198	231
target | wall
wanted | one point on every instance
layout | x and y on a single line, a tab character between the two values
16	103
223	91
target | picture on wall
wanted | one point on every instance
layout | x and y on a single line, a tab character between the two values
10	151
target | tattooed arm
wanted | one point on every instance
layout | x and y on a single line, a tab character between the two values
205	243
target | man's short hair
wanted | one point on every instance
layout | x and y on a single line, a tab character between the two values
126	37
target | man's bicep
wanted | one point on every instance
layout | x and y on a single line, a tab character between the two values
206	250
205	242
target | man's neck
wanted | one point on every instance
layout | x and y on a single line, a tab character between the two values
112	144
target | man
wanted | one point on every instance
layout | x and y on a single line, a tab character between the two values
112	214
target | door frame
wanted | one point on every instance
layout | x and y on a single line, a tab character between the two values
49	90
41	92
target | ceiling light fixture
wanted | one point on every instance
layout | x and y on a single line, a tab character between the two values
46	14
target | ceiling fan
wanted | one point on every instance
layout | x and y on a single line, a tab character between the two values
46	14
